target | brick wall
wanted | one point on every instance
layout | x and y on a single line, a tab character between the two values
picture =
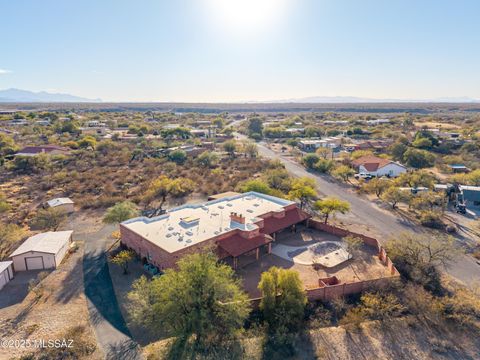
334	230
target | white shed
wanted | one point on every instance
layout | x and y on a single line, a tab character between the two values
65	205
6	273
42	251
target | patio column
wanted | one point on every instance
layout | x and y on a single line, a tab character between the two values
257	253
235	263
269	249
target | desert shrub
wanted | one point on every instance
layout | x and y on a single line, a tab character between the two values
431	219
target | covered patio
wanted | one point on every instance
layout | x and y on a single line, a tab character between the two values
240	251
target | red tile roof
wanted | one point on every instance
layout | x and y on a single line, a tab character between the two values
370	162
236	245
292	217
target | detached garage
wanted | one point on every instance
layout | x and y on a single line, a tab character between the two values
6	273
42	251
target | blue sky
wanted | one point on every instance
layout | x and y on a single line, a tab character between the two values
241	50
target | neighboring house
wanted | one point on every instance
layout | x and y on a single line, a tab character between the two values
377	166
94	130
18	122
43	149
64	205
42	251
312	145
233	226
44	122
204	133
469	195
376	145
6	273
377	122
458	168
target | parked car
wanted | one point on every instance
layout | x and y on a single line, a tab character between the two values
363	176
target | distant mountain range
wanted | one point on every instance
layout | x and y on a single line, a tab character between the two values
17	95
353	99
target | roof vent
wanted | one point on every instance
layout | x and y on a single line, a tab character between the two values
250	210
169	235
221	207
189	241
189	233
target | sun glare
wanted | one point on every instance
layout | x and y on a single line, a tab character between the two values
247	16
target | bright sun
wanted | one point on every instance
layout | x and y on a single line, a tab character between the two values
247	16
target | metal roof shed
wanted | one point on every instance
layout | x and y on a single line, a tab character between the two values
42	251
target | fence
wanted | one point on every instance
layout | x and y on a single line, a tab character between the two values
331	288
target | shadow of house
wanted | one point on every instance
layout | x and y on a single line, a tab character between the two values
102	302
17	290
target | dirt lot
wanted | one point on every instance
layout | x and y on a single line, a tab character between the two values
436	125
62	304
365	265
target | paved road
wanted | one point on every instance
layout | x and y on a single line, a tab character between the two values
364	213
106	317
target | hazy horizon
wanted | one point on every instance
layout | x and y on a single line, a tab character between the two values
237	51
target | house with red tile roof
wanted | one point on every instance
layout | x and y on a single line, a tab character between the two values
233	226
376	166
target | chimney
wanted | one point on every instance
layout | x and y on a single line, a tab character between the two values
238	218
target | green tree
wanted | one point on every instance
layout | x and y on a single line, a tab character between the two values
330	206
283	302
7	146
353	244
10	234
310	160
250	149
324	165
393	195
200	300
230	146
87	142
120	212
208	159
163	187
397	150
377	186
122	259
324	152
50	218
343	172
255	126
418	158
178	156
422	143
256	185
303	189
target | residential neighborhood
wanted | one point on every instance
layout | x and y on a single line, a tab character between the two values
240	180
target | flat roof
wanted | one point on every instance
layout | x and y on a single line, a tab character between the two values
49	242
192	224
4	265
59	201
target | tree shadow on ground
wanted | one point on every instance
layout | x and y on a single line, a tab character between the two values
182	348
291	346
